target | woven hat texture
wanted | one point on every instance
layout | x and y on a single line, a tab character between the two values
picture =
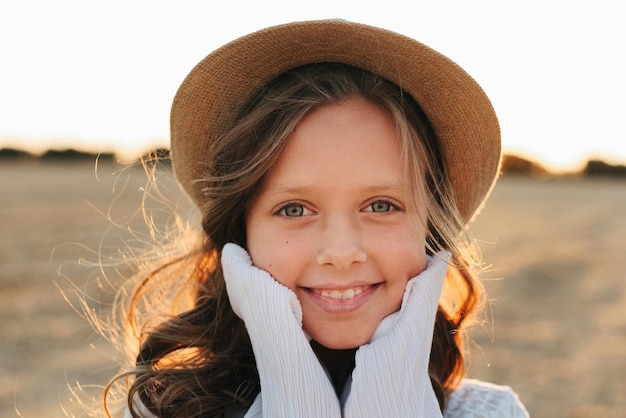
211	97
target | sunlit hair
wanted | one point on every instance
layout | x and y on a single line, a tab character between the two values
198	360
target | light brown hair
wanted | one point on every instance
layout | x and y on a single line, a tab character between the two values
200	362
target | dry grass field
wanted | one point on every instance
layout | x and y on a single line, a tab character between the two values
556	321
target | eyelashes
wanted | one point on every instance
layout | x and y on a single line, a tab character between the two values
297	210
293	210
383	206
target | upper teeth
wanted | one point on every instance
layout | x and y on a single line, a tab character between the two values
341	294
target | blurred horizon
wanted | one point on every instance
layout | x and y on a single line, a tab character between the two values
513	163
131	152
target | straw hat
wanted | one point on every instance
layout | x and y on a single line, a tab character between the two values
213	94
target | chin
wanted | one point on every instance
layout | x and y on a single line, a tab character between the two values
342	341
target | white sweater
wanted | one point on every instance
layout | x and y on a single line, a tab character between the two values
472	399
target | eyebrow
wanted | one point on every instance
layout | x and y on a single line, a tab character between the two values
375	188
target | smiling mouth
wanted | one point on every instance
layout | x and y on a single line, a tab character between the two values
343	300
340	294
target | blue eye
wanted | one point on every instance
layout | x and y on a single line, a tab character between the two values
292	211
381	206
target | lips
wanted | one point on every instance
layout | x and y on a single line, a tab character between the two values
341	300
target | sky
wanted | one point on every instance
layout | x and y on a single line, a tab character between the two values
100	75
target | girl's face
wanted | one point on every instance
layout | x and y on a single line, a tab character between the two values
332	222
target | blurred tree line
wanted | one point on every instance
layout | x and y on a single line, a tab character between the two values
512	165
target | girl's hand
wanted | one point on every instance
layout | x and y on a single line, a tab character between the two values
391	373
293	382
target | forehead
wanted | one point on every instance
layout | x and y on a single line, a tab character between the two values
354	140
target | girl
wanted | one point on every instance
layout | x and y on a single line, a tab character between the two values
336	167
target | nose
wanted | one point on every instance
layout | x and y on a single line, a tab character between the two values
341	244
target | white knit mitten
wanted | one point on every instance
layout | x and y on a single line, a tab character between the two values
293	382
391	378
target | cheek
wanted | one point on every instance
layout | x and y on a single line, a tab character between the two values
280	255
404	262
260	246
403	248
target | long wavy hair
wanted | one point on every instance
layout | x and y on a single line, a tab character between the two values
195	357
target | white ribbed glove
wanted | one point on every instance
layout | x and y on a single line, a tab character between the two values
293	382
390	378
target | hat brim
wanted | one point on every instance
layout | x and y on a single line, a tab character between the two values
211	97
